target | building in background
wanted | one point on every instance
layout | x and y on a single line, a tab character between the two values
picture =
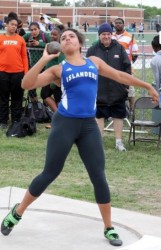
30	11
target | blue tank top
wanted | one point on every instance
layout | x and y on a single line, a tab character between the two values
79	90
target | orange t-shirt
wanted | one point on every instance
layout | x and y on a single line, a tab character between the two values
125	39
13	54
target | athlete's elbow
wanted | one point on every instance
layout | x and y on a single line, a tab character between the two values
25	85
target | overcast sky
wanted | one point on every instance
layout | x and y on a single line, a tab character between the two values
156	3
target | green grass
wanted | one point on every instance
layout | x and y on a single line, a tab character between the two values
148	37
134	176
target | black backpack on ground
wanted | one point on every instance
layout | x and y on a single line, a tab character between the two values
25	127
39	111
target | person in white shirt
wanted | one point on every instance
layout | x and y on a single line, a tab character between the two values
43	26
141	30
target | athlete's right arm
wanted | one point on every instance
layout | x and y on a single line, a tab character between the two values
34	78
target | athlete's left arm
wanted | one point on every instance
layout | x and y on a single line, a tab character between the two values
122	77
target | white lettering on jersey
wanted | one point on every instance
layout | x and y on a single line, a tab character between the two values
81	74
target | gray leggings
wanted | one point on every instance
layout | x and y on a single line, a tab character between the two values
85	134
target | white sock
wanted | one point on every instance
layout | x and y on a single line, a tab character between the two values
118	141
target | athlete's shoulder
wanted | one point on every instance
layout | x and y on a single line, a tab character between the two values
94	60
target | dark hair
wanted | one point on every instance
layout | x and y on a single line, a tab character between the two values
19	23
42	18
61	27
12	16
34	24
155	43
120	19
81	37
57	29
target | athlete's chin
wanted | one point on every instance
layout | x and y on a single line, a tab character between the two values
67	50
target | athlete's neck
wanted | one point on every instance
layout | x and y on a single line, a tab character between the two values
76	60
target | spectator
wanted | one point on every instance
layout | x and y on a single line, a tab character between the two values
112	26
61	27
128	41
20	29
156	62
43	26
134	26
35	39
85	26
69	25
157	27
141	30
1	25
111	95
13	66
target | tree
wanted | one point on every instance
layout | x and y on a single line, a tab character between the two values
90	3
57	3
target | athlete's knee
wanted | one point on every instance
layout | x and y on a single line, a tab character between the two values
49	177
98	178
102	193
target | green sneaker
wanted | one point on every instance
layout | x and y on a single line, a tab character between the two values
112	236
9	222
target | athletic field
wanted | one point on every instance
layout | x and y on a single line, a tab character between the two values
144	43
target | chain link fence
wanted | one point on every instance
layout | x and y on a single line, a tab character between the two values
34	54
142	70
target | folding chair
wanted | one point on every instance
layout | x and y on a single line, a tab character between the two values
142	117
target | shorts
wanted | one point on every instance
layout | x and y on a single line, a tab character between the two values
115	111
47	91
131	91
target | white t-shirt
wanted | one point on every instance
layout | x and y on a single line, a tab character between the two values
42	27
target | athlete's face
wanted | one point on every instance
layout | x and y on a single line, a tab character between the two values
119	26
105	38
69	42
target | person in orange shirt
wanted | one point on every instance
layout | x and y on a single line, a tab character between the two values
128	41
13	66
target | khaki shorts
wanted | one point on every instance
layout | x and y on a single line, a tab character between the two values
131	91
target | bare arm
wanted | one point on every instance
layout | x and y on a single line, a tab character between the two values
122	77
34	78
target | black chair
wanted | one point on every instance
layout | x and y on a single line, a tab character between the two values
143	117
